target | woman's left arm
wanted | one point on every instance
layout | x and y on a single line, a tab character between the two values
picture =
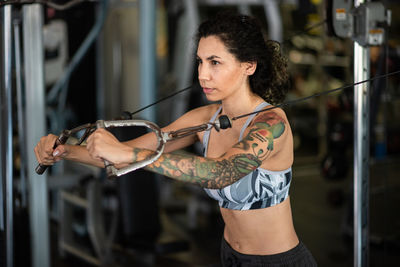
265	138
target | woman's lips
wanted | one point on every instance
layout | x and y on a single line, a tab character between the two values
207	90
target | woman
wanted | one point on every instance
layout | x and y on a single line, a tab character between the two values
247	167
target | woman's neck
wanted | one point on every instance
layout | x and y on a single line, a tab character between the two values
240	105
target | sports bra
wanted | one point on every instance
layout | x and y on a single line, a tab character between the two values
259	189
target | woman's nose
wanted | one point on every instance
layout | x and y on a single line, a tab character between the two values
204	73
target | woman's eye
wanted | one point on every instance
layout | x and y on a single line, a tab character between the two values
198	61
214	62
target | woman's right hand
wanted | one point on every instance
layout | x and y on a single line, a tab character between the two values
45	152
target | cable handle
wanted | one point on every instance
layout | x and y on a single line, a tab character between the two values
162	138
61	140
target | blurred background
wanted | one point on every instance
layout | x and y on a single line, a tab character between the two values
66	63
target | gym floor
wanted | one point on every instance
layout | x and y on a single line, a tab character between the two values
322	216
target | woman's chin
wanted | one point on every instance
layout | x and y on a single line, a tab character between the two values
212	97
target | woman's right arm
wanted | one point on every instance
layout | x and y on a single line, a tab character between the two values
47	155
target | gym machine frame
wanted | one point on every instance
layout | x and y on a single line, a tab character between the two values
365	24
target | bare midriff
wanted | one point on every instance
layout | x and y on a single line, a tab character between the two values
262	231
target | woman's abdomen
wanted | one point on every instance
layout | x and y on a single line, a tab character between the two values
260	232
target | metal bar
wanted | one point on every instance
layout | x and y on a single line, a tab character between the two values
147	58
361	153
100	89
2	199
73	199
273	16
35	127
2	179
184	52
6	36
20	110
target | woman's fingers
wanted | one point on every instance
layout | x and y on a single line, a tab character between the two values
44	150
103	145
39	156
59	152
94	143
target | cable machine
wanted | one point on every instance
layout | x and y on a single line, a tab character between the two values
365	24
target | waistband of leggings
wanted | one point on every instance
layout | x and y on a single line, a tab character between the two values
286	257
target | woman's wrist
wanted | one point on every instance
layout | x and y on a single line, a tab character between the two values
140	154
69	152
126	157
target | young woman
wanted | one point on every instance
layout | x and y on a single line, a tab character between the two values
246	168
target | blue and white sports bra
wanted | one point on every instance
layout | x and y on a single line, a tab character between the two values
259	189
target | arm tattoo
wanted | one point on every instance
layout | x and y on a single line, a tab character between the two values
208	173
266	128
219	173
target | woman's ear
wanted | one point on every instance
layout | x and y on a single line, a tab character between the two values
250	67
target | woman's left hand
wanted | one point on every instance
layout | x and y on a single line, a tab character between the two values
102	145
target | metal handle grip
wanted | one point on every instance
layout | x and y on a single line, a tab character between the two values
110	170
161	140
62	139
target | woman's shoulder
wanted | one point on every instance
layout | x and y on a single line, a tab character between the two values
193	117
270	113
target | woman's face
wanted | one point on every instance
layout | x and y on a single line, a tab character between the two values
221	75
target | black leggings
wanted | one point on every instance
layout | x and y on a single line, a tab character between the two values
298	256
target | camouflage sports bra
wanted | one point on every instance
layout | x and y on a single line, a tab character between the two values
259	189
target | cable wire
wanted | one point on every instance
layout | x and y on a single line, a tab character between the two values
317	94
162	99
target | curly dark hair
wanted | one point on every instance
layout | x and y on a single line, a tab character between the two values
243	37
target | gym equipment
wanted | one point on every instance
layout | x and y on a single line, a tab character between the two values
223	122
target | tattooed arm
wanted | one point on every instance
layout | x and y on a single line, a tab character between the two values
207	172
261	142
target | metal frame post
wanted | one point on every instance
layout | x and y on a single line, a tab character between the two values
6	170
361	153
35	127
185	48
147	58
273	16
20	110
